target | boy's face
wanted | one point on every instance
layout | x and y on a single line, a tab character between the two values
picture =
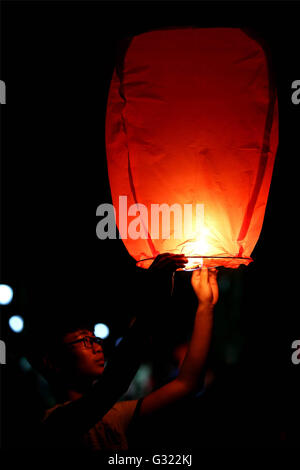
83	359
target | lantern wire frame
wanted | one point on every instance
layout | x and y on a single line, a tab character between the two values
204	261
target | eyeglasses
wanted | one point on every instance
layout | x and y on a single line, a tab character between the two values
87	342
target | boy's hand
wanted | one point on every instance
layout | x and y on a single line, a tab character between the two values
167	263
161	271
205	285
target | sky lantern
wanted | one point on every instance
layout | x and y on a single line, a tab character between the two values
191	138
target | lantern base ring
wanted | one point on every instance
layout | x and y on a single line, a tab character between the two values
207	261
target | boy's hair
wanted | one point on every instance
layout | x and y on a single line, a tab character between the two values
43	349
42	345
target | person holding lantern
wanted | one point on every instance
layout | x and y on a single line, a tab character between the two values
89	415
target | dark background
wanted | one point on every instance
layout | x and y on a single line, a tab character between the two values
57	61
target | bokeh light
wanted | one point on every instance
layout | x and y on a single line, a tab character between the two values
6	294
101	330
16	323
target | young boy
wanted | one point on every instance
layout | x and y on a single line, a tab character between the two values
89	415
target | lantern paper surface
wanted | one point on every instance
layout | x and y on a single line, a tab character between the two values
192	120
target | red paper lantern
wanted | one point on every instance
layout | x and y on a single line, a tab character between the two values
192	120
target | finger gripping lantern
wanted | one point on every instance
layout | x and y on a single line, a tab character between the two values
191	138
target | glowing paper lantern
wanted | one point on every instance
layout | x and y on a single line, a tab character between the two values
192	120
